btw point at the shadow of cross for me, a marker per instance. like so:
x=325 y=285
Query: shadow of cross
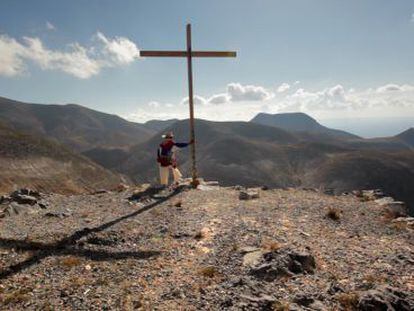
x=68 y=246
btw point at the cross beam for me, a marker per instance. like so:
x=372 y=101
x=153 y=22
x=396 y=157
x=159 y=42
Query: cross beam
x=189 y=54
x=185 y=54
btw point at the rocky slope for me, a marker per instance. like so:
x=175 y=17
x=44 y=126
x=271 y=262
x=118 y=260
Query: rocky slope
x=206 y=249
x=31 y=161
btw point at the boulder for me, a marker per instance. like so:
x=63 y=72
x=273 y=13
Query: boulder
x=26 y=191
x=263 y=302
x=384 y=201
x=397 y=209
x=283 y=262
x=249 y=194
x=25 y=199
x=385 y=298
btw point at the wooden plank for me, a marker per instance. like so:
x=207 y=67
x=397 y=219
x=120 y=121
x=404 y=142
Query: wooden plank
x=184 y=54
x=163 y=53
x=213 y=54
x=191 y=106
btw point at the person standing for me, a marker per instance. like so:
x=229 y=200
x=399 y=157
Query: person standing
x=167 y=159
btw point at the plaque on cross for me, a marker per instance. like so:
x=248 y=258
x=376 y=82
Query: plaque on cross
x=189 y=54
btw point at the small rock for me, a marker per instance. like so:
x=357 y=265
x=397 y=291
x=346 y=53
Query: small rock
x=406 y=222
x=303 y=299
x=58 y=214
x=248 y=249
x=384 y=201
x=329 y=191
x=42 y=205
x=249 y=194
x=252 y=258
x=100 y=191
x=318 y=306
x=5 y=199
x=121 y=187
x=239 y=188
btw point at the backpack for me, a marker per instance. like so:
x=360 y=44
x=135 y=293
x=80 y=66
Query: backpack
x=166 y=158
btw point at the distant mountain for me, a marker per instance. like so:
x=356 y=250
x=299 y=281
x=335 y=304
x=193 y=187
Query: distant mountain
x=407 y=137
x=31 y=161
x=231 y=142
x=298 y=122
x=75 y=126
x=159 y=125
x=250 y=154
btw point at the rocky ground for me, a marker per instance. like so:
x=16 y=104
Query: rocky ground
x=204 y=249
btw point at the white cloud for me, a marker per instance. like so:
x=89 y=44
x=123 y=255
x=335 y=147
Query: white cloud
x=11 y=63
x=238 y=92
x=198 y=100
x=389 y=88
x=412 y=18
x=384 y=98
x=76 y=60
x=219 y=99
x=121 y=50
x=154 y=104
x=330 y=102
x=50 y=26
x=283 y=87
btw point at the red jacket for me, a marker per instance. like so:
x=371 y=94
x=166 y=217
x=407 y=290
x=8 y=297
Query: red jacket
x=165 y=155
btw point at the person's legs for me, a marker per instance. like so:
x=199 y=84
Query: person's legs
x=164 y=172
x=177 y=174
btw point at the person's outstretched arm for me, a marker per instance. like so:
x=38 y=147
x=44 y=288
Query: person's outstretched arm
x=183 y=145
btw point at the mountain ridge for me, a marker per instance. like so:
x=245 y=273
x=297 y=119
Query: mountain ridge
x=79 y=127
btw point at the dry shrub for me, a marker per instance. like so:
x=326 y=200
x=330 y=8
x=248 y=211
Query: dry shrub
x=349 y=301
x=202 y=234
x=271 y=245
x=209 y=271
x=281 y=306
x=70 y=262
x=372 y=279
x=333 y=213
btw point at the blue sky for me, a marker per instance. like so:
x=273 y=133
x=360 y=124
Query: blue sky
x=330 y=58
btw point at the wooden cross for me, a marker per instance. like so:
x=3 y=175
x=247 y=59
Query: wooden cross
x=189 y=54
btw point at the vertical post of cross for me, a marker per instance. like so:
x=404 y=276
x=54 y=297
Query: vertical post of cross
x=191 y=104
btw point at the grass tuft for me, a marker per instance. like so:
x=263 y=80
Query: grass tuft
x=349 y=301
x=209 y=271
x=333 y=213
x=70 y=262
